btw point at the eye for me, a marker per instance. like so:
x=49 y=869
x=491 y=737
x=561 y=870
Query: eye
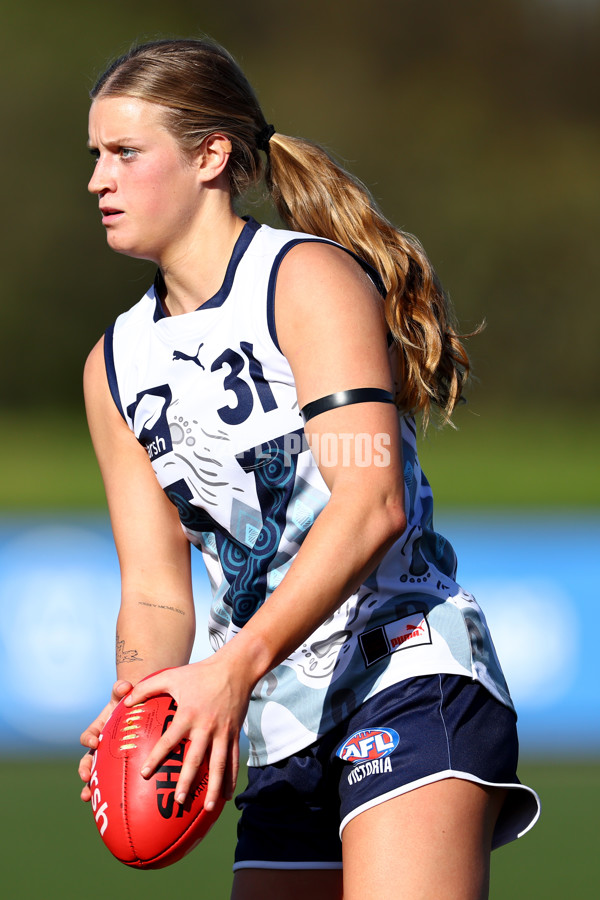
x=127 y=153
x=95 y=154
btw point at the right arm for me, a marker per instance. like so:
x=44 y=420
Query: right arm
x=156 y=622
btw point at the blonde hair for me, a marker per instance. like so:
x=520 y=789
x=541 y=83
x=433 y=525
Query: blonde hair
x=204 y=91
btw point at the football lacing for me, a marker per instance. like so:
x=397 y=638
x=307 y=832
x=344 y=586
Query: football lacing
x=131 y=727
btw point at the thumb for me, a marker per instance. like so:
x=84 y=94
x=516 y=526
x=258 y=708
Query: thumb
x=121 y=689
x=150 y=686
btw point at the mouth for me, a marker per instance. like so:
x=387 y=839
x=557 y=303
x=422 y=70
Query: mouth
x=109 y=214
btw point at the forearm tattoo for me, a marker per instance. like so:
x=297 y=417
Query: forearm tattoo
x=125 y=656
x=162 y=606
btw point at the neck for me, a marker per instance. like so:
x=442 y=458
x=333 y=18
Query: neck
x=194 y=272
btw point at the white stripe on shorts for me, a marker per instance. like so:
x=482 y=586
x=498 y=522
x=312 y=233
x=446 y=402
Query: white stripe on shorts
x=270 y=864
x=501 y=836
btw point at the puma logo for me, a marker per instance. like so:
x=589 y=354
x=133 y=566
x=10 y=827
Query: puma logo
x=178 y=354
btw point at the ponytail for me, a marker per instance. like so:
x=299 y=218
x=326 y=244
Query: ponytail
x=313 y=194
x=203 y=90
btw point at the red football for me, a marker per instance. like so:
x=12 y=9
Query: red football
x=138 y=819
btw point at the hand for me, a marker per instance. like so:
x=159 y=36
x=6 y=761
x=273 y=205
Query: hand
x=211 y=706
x=90 y=736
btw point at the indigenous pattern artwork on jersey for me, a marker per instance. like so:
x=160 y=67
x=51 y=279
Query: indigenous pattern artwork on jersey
x=212 y=398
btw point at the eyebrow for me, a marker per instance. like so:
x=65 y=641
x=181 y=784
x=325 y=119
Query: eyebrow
x=120 y=142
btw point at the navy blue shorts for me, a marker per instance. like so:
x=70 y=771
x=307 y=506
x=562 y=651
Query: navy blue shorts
x=418 y=731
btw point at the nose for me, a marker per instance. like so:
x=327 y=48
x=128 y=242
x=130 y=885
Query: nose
x=102 y=179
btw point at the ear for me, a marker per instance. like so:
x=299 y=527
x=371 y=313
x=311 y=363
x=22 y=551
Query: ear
x=213 y=156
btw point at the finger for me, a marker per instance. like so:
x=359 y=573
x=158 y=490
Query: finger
x=85 y=773
x=85 y=767
x=219 y=764
x=233 y=768
x=172 y=737
x=194 y=757
x=120 y=689
x=146 y=688
x=89 y=738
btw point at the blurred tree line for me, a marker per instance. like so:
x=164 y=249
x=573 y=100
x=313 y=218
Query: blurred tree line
x=475 y=124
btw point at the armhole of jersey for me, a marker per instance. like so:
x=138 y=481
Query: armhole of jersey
x=371 y=272
x=111 y=374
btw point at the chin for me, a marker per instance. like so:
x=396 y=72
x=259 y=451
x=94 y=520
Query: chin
x=126 y=248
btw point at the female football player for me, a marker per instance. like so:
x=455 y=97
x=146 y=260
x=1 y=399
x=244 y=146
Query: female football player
x=259 y=403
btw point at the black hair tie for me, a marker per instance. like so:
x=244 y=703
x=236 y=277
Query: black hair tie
x=264 y=136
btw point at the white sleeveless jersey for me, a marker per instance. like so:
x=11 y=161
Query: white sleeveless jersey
x=212 y=398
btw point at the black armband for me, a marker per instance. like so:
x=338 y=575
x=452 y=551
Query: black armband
x=345 y=398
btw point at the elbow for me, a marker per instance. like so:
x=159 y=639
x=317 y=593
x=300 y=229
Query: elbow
x=395 y=519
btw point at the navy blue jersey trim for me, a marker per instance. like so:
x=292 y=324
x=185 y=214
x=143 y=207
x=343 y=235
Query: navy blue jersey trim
x=371 y=272
x=242 y=244
x=159 y=312
x=218 y=299
x=109 y=362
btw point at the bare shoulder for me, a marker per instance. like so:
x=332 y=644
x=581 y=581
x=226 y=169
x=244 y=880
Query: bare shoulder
x=139 y=508
x=100 y=407
x=105 y=422
x=94 y=371
x=323 y=267
x=319 y=252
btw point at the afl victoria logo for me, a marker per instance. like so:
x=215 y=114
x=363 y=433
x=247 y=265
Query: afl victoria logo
x=373 y=743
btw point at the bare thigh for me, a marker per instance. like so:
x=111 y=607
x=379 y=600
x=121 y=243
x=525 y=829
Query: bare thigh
x=274 y=884
x=433 y=842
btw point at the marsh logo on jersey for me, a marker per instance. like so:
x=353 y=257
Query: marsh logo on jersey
x=368 y=745
x=149 y=417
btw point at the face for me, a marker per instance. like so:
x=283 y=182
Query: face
x=148 y=191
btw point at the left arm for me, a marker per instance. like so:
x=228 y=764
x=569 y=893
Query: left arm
x=332 y=330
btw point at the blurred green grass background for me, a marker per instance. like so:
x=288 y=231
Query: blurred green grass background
x=495 y=458
x=51 y=847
